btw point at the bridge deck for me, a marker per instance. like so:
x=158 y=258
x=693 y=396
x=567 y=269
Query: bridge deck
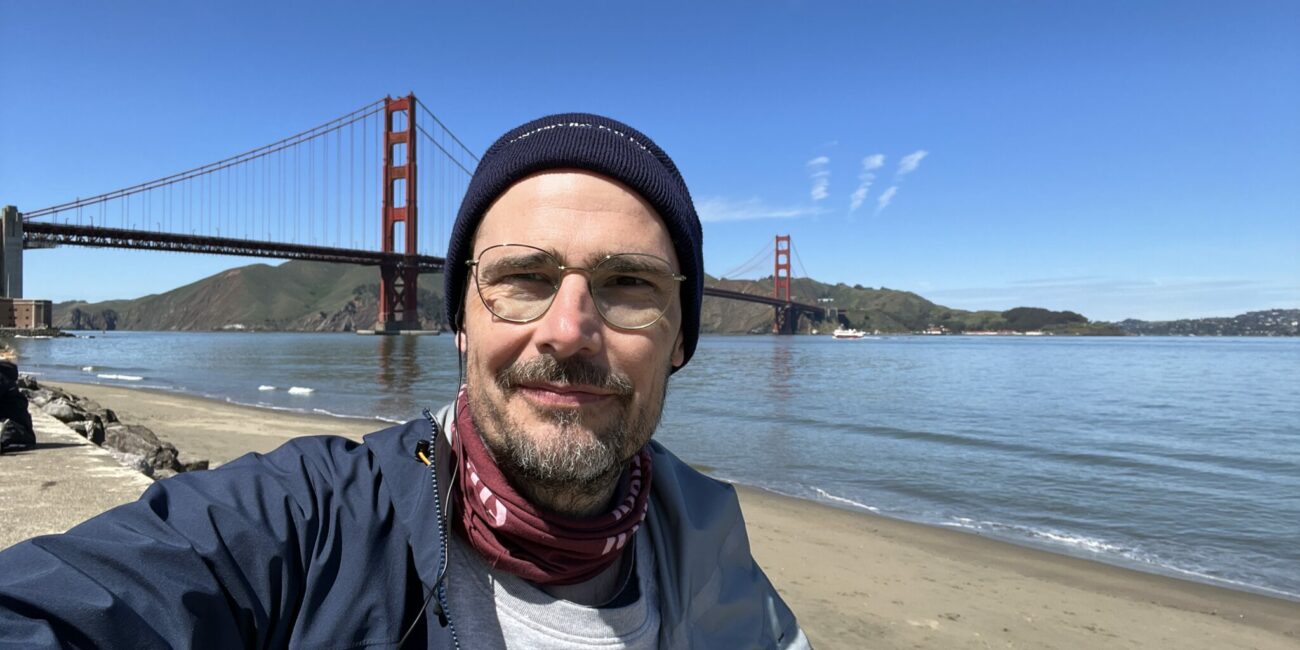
x=37 y=234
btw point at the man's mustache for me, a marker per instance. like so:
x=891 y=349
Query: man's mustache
x=573 y=371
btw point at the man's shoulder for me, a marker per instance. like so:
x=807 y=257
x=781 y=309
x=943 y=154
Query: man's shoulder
x=666 y=462
x=383 y=443
x=678 y=486
x=324 y=462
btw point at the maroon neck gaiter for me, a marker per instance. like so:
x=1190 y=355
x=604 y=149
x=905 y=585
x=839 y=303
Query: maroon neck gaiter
x=515 y=536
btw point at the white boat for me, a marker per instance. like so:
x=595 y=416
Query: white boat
x=841 y=333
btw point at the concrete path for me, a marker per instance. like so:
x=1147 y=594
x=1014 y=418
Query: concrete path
x=65 y=480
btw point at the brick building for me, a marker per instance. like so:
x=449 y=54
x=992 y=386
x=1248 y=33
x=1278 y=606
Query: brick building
x=22 y=313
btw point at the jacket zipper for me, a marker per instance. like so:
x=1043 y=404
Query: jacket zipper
x=440 y=586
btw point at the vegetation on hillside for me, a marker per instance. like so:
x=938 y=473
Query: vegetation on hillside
x=294 y=296
x=883 y=310
x=315 y=296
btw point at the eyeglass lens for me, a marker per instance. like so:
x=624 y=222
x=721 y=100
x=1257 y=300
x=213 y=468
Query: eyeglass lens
x=518 y=283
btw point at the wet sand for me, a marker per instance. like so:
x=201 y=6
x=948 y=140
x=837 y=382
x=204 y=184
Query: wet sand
x=857 y=580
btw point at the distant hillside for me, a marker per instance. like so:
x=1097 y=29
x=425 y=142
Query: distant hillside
x=294 y=296
x=319 y=297
x=884 y=310
x=1273 y=322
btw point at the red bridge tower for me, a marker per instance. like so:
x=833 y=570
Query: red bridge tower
x=786 y=320
x=397 y=281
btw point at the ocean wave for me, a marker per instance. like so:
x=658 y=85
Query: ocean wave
x=302 y=411
x=301 y=390
x=1236 y=584
x=88 y=368
x=265 y=387
x=121 y=377
x=1042 y=535
x=831 y=497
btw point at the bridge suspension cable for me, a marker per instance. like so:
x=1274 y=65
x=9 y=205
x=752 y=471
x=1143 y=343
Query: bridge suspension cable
x=291 y=141
x=319 y=190
x=803 y=272
x=756 y=261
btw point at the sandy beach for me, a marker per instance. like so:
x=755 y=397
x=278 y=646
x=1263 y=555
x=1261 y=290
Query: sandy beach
x=857 y=580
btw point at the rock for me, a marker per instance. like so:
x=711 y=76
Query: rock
x=26 y=381
x=94 y=429
x=63 y=410
x=136 y=439
x=134 y=461
x=107 y=415
x=86 y=404
x=195 y=465
x=39 y=397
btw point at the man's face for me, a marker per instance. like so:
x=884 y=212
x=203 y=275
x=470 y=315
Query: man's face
x=567 y=399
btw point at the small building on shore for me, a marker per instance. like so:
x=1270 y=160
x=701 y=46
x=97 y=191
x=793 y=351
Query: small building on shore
x=26 y=314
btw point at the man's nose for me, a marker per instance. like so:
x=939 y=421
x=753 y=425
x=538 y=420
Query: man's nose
x=572 y=325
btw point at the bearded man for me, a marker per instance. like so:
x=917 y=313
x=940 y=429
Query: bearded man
x=532 y=512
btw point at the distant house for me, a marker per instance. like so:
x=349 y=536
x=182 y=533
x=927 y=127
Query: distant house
x=22 y=313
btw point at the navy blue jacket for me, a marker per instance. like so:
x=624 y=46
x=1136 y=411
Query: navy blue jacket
x=329 y=543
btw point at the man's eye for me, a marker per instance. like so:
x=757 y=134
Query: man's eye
x=628 y=282
x=524 y=277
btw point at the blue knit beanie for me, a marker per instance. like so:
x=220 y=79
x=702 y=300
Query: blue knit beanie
x=600 y=145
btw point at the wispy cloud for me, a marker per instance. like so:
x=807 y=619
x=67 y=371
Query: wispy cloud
x=884 y=200
x=910 y=162
x=868 y=176
x=821 y=177
x=721 y=209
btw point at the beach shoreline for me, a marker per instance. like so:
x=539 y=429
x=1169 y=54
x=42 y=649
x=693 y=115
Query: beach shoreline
x=855 y=579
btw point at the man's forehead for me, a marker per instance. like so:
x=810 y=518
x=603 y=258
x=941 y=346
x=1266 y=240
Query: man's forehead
x=558 y=210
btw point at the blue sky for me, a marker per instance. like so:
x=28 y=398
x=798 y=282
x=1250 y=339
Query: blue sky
x=1120 y=159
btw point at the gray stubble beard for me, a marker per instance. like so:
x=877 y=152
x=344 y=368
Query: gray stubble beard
x=574 y=472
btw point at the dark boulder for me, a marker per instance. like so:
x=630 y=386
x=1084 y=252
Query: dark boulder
x=136 y=439
x=64 y=410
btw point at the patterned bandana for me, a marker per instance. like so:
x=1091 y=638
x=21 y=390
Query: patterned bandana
x=514 y=536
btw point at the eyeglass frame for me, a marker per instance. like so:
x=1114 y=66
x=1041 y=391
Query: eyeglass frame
x=564 y=269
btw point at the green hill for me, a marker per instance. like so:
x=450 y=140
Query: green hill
x=320 y=297
x=295 y=296
x=884 y=310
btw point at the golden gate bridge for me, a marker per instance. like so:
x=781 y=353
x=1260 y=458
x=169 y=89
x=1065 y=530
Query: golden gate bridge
x=311 y=196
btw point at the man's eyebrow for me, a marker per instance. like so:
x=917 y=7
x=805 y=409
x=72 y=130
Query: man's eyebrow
x=523 y=260
x=628 y=262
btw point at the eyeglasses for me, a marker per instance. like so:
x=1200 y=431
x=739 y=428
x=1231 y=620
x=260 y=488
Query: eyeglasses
x=518 y=283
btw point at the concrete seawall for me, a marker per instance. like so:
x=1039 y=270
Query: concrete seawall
x=62 y=482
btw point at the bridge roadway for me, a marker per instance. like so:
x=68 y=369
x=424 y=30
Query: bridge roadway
x=39 y=234
x=803 y=307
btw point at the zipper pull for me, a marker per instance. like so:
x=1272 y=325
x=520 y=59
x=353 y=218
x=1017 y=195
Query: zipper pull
x=442 y=615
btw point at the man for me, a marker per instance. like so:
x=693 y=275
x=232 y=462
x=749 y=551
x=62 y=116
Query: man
x=533 y=512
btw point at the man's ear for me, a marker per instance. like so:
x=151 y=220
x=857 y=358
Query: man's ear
x=460 y=341
x=679 y=351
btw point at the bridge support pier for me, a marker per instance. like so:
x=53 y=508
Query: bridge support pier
x=11 y=253
x=785 y=321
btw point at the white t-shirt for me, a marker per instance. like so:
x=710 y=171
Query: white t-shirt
x=493 y=609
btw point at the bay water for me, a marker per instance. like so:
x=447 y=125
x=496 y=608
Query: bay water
x=1178 y=456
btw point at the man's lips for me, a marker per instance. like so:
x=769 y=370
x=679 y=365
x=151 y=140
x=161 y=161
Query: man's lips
x=563 y=395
